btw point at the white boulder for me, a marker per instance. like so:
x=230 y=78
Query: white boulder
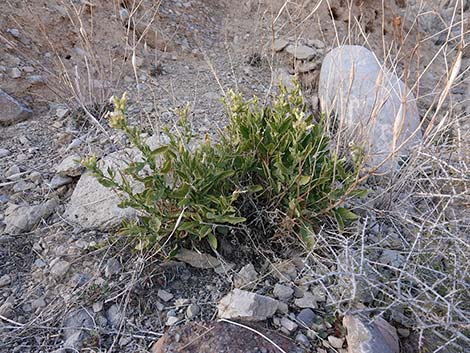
x=373 y=108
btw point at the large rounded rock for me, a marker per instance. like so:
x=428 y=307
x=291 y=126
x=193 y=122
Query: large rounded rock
x=374 y=109
x=93 y=206
x=11 y=110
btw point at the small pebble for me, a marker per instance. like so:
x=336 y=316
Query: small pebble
x=192 y=311
x=4 y=152
x=336 y=342
x=288 y=324
x=5 y=280
x=164 y=295
x=172 y=320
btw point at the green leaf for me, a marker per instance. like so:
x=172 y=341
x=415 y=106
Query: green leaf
x=212 y=239
x=346 y=214
x=160 y=150
x=166 y=166
x=107 y=183
x=233 y=219
x=304 y=179
x=255 y=188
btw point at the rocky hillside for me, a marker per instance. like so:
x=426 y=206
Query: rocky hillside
x=390 y=80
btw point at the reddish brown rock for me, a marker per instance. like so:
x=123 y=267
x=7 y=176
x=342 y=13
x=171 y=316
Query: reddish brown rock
x=222 y=337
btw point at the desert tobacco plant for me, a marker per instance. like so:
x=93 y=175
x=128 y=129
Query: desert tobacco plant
x=278 y=155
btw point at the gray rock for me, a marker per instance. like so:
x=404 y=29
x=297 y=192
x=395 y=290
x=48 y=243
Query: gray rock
x=59 y=267
x=301 y=52
x=368 y=102
x=403 y=332
x=289 y=325
x=5 y=280
x=37 y=80
x=306 y=317
x=308 y=66
x=283 y=292
x=22 y=185
x=113 y=266
x=318 y=293
x=13 y=172
x=245 y=277
x=11 y=110
x=70 y=167
x=240 y=304
x=283 y=77
x=14 y=32
x=35 y=176
x=393 y=258
x=192 y=311
x=307 y=301
x=19 y=219
x=316 y=43
x=38 y=303
x=76 y=327
x=74 y=144
x=4 y=152
x=93 y=206
x=114 y=315
x=7 y=308
x=336 y=342
x=39 y=263
x=97 y=306
x=282 y=308
x=61 y=112
x=57 y=181
x=279 y=44
x=364 y=337
x=196 y=259
x=302 y=339
x=171 y=320
x=285 y=271
x=15 y=73
x=164 y=295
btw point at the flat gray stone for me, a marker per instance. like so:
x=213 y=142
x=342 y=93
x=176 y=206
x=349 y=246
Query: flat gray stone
x=246 y=277
x=164 y=295
x=4 y=152
x=19 y=219
x=244 y=305
x=93 y=206
x=57 y=181
x=5 y=280
x=279 y=44
x=306 y=317
x=283 y=292
x=307 y=301
x=192 y=311
x=11 y=110
x=301 y=52
x=70 y=166
x=76 y=328
x=377 y=112
x=59 y=268
x=196 y=259
x=289 y=325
